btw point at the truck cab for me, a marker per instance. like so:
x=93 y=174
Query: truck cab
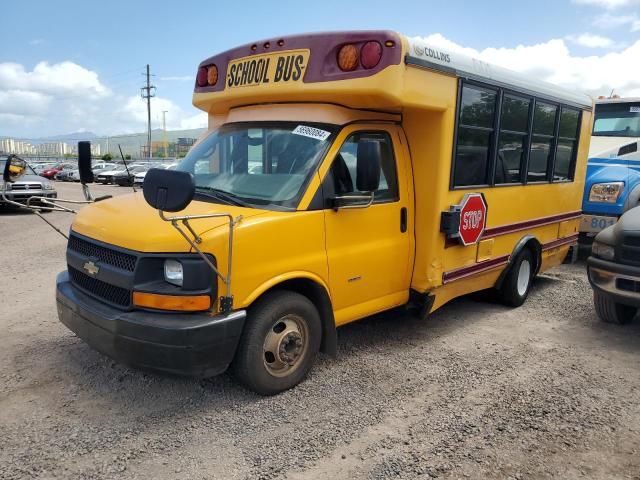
x=613 y=171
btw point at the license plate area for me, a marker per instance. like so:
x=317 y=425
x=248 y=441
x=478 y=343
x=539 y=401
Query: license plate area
x=596 y=223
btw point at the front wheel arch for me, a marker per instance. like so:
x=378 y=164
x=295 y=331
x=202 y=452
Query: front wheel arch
x=319 y=296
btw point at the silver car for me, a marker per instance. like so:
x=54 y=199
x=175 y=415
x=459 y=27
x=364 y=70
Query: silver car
x=30 y=185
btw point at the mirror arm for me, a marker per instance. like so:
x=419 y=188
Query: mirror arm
x=226 y=302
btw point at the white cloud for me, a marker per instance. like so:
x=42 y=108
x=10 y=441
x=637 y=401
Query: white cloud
x=552 y=61
x=592 y=41
x=608 y=21
x=66 y=97
x=608 y=4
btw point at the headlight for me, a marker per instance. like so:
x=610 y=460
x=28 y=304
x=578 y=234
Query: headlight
x=606 y=192
x=601 y=250
x=173 y=272
x=7 y=186
x=48 y=186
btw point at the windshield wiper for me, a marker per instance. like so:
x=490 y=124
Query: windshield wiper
x=227 y=197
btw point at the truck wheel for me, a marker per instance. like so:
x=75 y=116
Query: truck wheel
x=612 y=312
x=516 y=285
x=279 y=343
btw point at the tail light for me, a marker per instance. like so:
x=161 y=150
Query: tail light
x=348 y=58
x=370 y=54
x=207 y=76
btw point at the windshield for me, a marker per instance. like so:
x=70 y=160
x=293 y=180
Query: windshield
x=617 y=119
x=259 y=164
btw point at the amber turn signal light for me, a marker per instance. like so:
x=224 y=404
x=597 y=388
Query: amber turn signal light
x=348 y=58
x=184 y=303
x=212 y=75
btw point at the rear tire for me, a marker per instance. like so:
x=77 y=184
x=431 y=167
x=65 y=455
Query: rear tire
x=612 y=312
x=279 y=343
x=517 y=283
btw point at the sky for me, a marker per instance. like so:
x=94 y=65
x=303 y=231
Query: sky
x=69 y=66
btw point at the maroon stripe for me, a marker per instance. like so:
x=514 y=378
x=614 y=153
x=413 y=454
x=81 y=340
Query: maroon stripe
x=538 y=222
x=459 y=273
x=560 y=242
x=481 y=267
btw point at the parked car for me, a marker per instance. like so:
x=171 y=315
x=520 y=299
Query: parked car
x=66 y=175
x=138 y=178
x=614 y=269
x=52 y=172
x=106 y=177
x=125 y=179
x=40 y=167
x=30 y=185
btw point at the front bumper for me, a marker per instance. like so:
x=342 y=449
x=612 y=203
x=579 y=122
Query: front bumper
x=21 y=196
x=618 y=281
x=197 y=344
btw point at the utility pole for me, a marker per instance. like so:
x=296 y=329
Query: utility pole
x=164 y=132
x=147 y=92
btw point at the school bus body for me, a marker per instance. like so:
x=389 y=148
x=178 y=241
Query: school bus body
x=356 y=262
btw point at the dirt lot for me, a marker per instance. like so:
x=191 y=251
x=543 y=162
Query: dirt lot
x=475 y=391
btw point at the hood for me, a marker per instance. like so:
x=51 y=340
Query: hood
x=129 y=222
x=608 y=147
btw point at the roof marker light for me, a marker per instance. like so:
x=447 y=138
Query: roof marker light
x=267 y=45
x=280 y=42
x=348 y=58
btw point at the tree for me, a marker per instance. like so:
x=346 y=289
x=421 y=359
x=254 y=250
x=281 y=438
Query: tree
x=127 y=157
x=107 y=157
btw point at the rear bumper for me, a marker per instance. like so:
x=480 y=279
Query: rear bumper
x=619 y=282
x=197 y=344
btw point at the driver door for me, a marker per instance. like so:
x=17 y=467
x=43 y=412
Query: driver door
x=368 y=248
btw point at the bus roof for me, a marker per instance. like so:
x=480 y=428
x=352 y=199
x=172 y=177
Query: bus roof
x=427 y=55
x=618 y=100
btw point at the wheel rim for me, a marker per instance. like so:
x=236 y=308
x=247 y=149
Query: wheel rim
x=285 y=345
x=524 y=276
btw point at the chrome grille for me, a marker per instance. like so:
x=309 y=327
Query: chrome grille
x=26 y=186
x=110 y=293
x=106 y=255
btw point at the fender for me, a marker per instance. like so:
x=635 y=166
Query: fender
x=314 y=288
x=522 y=243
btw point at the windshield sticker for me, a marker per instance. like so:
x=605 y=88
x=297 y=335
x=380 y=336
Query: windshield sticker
x=311 y=132
x=634 y=109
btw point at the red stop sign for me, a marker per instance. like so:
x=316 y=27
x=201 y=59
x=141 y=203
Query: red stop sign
x=473 y=218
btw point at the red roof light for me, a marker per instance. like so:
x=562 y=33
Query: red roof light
x=370 y=54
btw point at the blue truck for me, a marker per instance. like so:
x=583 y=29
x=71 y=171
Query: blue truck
x=612 y=185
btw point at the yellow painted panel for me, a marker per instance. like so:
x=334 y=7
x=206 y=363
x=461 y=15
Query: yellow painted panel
x=485 y=250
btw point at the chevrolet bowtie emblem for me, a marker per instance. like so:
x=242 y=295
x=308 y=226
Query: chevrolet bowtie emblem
x=91 y=268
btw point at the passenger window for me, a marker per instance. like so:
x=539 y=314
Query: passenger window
x=542 y=151
x=512 y=142
x=342 y=175
x=567 y=144
x=475 y=132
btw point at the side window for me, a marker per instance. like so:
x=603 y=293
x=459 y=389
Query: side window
x=475 y=132
x=567 y=144
x=343 y=170
x=512 y=141
x=542 y=141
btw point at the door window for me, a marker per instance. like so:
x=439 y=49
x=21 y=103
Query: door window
x=341 y=179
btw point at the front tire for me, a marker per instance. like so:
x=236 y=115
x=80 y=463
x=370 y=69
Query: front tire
x=279 y=344
x=516 y=285
x=612 y=312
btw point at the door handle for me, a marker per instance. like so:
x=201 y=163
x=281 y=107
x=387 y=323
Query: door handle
x=403 y=219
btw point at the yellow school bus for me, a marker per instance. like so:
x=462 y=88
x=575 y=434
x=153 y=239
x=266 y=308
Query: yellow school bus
x=342 y=175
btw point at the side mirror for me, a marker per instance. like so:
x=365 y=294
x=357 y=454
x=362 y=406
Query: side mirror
x=368 y=160
x=84 y=162
x=168 y=190
x=14 y=168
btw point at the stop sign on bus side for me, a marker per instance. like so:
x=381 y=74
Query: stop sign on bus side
x=473 y=218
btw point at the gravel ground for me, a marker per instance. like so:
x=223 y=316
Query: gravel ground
x=475 y=391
